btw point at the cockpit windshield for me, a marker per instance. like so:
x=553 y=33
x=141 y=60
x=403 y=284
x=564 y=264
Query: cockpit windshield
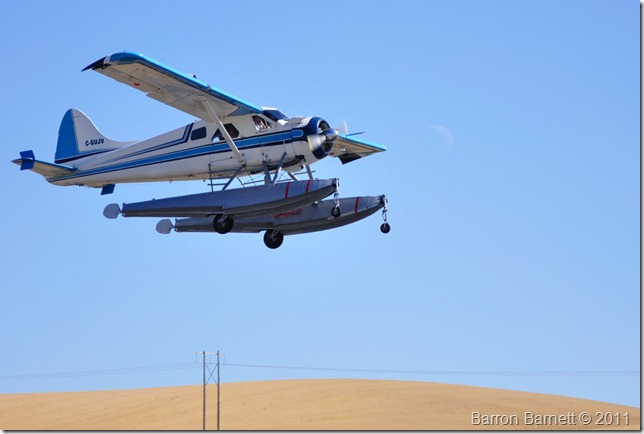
x=275 y=115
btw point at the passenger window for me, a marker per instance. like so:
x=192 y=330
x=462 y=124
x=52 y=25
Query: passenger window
x=198 y=134
x=234 y=133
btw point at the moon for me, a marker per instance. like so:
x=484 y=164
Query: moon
x=443 y=134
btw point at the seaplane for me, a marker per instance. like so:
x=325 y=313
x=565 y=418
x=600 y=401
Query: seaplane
x=231 y=139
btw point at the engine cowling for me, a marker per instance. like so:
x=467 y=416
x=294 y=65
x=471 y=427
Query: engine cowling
x=320 y=136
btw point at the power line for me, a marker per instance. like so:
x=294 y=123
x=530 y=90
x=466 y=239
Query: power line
x=195 y=365
x=98 y=372
x=478 y=373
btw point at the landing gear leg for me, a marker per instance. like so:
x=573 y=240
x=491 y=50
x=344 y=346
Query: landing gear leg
x=222 y=223
x=384 y=228
x=273 y=239
x=336 y=212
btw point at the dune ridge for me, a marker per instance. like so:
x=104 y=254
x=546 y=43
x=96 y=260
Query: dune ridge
x=341 y=404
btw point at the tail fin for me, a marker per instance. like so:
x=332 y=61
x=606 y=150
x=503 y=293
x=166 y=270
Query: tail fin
x=78 y=137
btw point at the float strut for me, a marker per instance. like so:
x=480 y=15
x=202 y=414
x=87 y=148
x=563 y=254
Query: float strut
x=384 y=228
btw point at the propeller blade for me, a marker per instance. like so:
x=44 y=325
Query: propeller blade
x=343 y=128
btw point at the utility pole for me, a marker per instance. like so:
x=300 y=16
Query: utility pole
x=218 y=395
x=205 y=381
x=204 y=390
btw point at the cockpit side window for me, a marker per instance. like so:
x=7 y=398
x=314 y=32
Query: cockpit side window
x=234 y=133
x=261 y=124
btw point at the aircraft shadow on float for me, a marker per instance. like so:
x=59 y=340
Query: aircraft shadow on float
x=234 y=140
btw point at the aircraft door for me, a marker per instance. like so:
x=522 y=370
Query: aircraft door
x=219 y=142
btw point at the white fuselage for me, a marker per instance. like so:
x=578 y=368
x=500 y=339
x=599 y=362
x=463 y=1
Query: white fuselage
x=199 y=151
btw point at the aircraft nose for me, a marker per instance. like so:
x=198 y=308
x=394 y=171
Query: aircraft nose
x=330 y=135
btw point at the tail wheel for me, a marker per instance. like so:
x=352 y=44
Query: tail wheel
x=273 y=239
x=222 y=224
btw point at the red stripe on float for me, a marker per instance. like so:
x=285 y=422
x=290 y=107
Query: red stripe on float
x=287 y=187
x=307 y=186
x=357 y=200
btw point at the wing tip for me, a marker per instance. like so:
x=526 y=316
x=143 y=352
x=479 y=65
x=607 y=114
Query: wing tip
x=123 y=57
x=96 y=65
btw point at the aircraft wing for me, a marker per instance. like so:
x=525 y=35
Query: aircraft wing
x=348 y=148
x=174 y=88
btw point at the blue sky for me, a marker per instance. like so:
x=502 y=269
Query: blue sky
x=512 y=172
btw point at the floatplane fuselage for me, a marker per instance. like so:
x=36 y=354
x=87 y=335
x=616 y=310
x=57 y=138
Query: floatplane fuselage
x=198 y=150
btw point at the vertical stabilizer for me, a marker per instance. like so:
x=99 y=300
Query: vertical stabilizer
x=78 y=137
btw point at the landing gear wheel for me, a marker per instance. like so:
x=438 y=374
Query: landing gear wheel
x=273 y=239
x=222 y=224
x=385 y=228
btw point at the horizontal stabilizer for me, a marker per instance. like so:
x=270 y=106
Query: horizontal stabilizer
x=27 y=161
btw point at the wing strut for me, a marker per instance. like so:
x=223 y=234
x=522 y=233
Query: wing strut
x=215 y=120
x=279 y=168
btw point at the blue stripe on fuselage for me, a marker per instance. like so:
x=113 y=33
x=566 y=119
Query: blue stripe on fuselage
x=207 y=149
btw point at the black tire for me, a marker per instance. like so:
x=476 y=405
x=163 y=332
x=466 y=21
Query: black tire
x=335 y=212
x=385 y=228
x=273 y=239
x=222 y=226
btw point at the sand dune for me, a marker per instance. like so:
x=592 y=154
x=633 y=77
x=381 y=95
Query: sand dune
x=312 y=404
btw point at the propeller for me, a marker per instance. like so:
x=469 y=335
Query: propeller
x=321 y=143
x=326 y=133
